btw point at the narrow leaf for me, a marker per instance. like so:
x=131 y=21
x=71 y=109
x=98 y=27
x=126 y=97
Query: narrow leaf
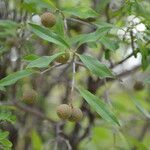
x=8 y=24
x=34 y=5
x=4 y=142
x=96 y=67
x=81 y=12
x=140 y=107
x=43 y=61
x=30 y=57
x=14 y=77
x=99 y=106
x=3 y=135
x=109 y=44
x=48 y=35
x=7 y=116
x=91 y=37
x=105 y=25
x=59 y=27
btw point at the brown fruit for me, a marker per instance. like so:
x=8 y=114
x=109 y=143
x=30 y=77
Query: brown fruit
x=29 y=96
x=64 y=111
x=138 y=86
x=48 y=19
x=63 y=58
x=76 y=115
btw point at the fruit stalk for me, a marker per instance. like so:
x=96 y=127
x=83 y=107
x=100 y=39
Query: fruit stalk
x=73 y=77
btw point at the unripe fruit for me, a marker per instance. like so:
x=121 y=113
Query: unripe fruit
x=76 y=115
x=29 y=96
x=48 y=19
x=63 y=58
x=64 y=111
x=138 y=86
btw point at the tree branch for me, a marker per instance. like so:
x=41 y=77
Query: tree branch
x=28 y=109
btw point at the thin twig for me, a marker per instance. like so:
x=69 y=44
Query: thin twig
x=106 y=93
x=82 y=22
x=120 y=62
x=73 y=77
x=67 y=143
x=48 y=69
x=79 y=63
x=132 y=43
x=28 y=109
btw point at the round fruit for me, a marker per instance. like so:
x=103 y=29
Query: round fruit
x=64 y=111
x=63 y=58
x=76 y=115
x=138 y=86
x=48 y=19
x=29 y=96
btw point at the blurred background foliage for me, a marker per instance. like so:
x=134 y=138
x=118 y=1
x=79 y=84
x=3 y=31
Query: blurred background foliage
x=122 y=43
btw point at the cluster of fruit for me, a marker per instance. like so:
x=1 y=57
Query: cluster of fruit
x=66 y=112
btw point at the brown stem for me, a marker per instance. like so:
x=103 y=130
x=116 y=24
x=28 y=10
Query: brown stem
x=30 y=110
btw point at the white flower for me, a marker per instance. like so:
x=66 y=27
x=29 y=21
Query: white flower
x=140 y=27
x=133 y=20
x=132 y=23
x=123 y=33
x=36 y=19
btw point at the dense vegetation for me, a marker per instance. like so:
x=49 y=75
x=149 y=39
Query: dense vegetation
x=74 y=74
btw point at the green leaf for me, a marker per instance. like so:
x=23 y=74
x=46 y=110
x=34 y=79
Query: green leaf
x=91 y=37
x=59 y=26
x=49 y=3
x=30 y=57
x=43 y=61
x=107 y=54
x=140 y=107
x=143 y=10
x=81 y=12
x=7 y=116
x=48 y=35
x=38 y=5
x=8 y=24
x=8 y=28
x=36 y=140
x=96 y=67
x=4 y=142
x=109 y=44
x=14 y=77
x=3 y=135
x=99 y=106
x=144 y=53
x=105 y=25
